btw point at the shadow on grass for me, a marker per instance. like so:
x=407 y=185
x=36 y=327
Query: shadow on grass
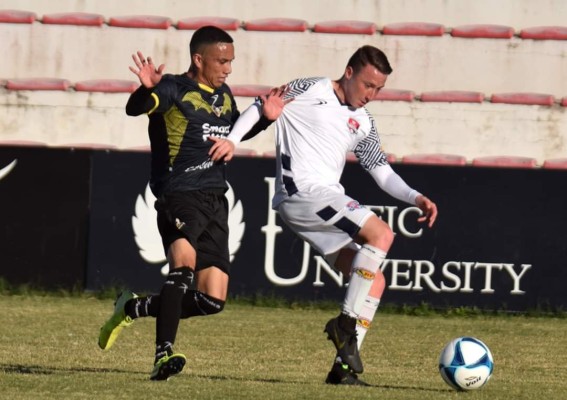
x=47 y=370
x=267 y=380
x=243 y=379
x=415 y=388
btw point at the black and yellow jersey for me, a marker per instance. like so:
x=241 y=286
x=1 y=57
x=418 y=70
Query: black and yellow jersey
x=183 y=114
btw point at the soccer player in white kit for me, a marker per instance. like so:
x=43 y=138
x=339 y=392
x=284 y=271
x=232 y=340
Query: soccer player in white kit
x=320 y=122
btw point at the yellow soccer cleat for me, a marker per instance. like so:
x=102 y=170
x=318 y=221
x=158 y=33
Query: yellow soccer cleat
x=112 y=328
x=168 y=366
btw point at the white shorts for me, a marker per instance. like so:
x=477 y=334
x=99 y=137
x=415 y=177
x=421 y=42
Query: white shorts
x=327 y=220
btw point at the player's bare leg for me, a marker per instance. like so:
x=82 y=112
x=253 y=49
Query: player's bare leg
x=214 y=282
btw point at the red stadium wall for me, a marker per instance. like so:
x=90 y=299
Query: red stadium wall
x=470 y=78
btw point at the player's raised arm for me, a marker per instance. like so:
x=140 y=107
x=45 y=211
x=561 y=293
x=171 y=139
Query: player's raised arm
x=140 y=101
x=274 y=102
x=146 y=71
x=253 y=120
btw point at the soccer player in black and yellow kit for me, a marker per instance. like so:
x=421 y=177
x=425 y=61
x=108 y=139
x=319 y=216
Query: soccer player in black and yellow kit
x=185 y=111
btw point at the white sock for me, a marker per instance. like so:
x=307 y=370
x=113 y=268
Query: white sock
x=364 y=267
x=365 y=318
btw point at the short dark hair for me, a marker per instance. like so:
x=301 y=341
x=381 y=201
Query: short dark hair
x=369 y=55
x=206 y=36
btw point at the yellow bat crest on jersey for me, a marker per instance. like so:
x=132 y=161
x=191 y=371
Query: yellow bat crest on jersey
x=198 y=102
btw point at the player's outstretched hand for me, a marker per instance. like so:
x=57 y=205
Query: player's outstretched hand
x=428 y=208
x=274 y=102
x=222 y=149
x=146 y=71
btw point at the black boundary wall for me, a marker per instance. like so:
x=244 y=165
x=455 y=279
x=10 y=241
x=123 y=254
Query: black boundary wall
x=85 y=217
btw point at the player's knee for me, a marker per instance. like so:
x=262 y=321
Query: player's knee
x=377 y=233
x=383 y=239
x=209 y=305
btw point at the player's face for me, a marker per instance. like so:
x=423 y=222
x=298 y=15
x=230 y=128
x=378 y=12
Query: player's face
x=215 y=64
x=363 y=86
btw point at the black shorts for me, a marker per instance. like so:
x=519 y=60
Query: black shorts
x=201 y=217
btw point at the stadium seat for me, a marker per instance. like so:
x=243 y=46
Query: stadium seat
x=414 y=29
x=391 y=158
x=73 y=18
x=194 y=23
x=346 y=27
x=352 y=157
x=555 y=163
x=141 y=149
x=483 y=31
x=249 y=90
x=545 y=33
x=564 y=101
x=16 y=143
x=505 y=161
x=537 y=99
x=452 y=97
x=97 y=146
x=434 y=159
x=17 y=17
x=395 y=95
x=276 y=24
x=106 y=86
x=140 y=21
x=38 y=84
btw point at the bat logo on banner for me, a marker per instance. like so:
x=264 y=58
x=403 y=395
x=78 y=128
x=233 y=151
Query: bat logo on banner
x=147 y=236
x=7 y=169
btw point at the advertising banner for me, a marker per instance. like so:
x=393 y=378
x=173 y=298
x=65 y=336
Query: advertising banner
x=44 y=212
x=499 y=242
x=86 y=218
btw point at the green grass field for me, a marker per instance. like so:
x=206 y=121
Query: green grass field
x=48 y=350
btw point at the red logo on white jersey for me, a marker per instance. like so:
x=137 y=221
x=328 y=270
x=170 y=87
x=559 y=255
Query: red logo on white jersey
x=353 y=205
x=353 y=125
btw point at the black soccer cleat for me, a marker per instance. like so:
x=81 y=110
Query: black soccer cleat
x=345 y=343
x=168 y=366
x=341 y=374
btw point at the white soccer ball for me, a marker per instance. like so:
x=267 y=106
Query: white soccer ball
x=466 y=363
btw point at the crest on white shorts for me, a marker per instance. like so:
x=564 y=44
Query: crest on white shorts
x=353 y=205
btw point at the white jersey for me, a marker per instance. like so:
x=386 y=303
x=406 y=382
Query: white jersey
x=314 y=133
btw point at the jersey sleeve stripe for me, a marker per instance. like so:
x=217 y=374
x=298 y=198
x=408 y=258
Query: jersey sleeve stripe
x=156 y=100
x=369 y=150
x=300 y=86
